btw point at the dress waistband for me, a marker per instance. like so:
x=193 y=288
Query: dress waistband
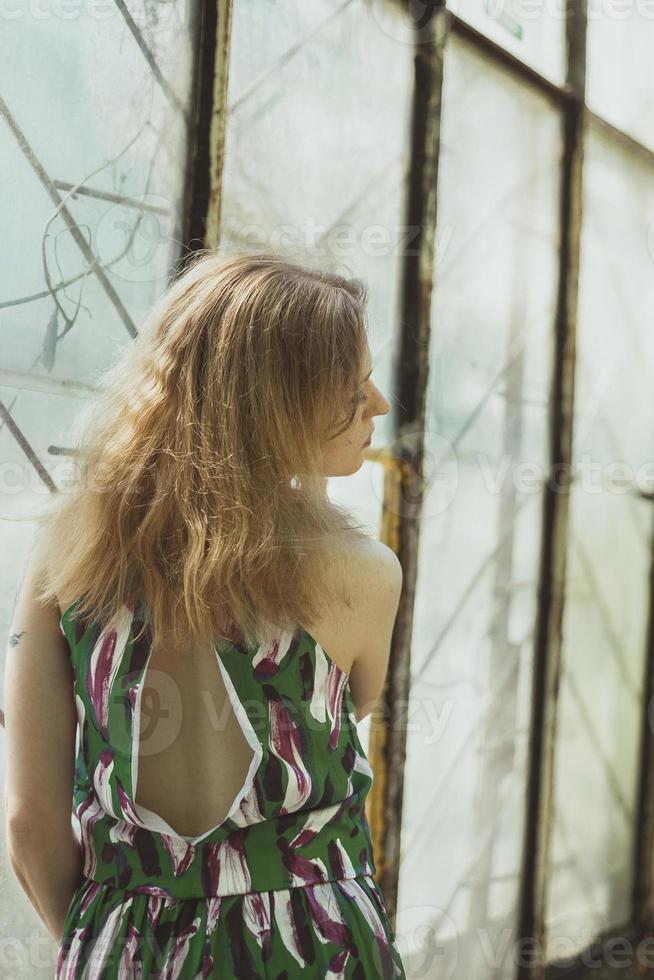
x=261 y=857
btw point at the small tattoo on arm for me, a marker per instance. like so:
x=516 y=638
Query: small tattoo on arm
x=14 y=638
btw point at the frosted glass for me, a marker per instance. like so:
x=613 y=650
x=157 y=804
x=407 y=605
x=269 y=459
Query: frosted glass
x=109 y=125
x=316 y=155
x=480 y=535
x=620 y=45
x=596 y=763
x=316 y=149
x=609 y=554
x=533 y=32
x=86 y=101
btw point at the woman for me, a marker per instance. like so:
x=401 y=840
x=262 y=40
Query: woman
x=166 y=593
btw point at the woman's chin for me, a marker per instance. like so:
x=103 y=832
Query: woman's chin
x=349 y=470
x=355 y=466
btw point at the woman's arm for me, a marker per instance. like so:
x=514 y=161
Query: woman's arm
x=49 y=869
x=40 y=722
x=378 y=578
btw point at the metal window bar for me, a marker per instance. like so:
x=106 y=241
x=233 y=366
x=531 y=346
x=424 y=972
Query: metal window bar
x=536 y=855
x=643 y=857
x=403 y=475
x=201 y=207
x=570 y=99
x=388 y=736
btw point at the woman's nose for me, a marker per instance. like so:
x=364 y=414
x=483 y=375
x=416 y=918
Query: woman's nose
x=382 y=404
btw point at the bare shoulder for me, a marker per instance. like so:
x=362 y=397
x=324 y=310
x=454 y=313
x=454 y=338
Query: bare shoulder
x=372 y=575
x=371 y=572
x=379 y=564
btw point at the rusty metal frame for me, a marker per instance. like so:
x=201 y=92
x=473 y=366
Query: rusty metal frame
x=643 y=885
x=378 y=744
x=200 y=209
x=404 y=478
x=576 y=116
x=556 y=499
x=403 y=483
x=531 y=76
x=557 y=94
x=218 y=122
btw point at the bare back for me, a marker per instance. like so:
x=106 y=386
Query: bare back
x=193 y=756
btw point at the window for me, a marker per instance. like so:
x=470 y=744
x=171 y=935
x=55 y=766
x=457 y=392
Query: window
x=478 y=166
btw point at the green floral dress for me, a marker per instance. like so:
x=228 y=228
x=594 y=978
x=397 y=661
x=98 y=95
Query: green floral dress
x=283 y=886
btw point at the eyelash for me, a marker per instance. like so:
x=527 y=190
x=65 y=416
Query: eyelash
x=362 y=397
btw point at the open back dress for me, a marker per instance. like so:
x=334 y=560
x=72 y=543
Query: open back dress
x=283 y=886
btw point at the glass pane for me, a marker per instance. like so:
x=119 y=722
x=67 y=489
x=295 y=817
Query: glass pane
x=316 y=155
x=101 y=108
x=609 y=554
x=119 y=135
x=494 y=300
x=598 y=724
x=620 y=47
x=533 y=33
x=317 y=136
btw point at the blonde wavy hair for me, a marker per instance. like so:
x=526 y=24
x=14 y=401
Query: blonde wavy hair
x=199 y=488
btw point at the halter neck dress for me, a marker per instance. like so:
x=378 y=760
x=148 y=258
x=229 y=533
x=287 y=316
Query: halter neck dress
x=283 y=886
